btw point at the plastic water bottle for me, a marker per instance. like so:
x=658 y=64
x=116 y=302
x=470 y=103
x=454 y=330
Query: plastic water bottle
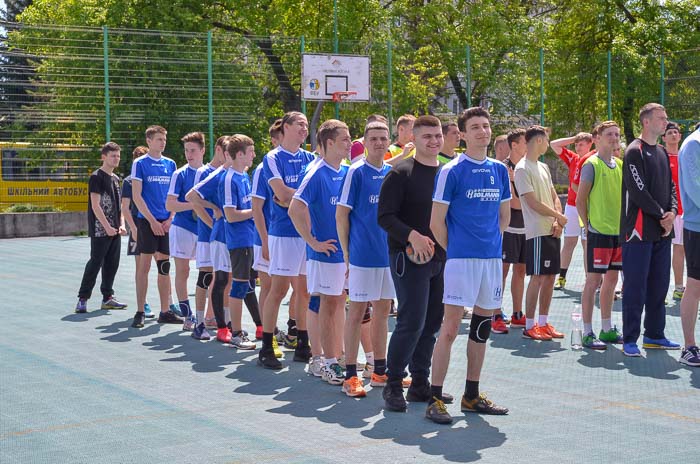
x=576 y=331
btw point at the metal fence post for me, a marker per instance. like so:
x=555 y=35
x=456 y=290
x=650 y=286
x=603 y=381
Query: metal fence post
x=609 y=85
x=105 y=59
x=663 y=78
x=542 y=86
x=335 y=46
x=303 y=102
x=469 y=76
x=390 y=89
x=210 y=94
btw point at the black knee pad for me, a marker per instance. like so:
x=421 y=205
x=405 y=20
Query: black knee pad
x=480 y=328
x=204 y=279
x=163 y=266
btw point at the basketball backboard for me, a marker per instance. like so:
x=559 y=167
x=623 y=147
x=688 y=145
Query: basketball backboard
x=322 y=75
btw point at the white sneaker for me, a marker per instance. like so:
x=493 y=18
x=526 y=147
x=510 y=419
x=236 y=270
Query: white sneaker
x=316 y=366
x=242 y=342
x=333 y=374
x=367 y=371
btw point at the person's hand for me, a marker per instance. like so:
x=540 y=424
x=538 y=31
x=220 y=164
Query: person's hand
x=556 y=230
x=279 y=202
x=157 y=228
x=326 y=247
x=347 y=268
x=667 y=219
x=265 y=251
x=111 y=231
x=407 y=149
x=217 y=213
x=166 y=225
x=122 y=231
x=562 y=220
x=134 y=233
x=423 y=247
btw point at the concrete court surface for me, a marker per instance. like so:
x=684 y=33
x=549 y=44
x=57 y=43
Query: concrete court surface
x=88 y=388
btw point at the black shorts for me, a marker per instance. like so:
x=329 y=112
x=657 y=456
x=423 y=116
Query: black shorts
x=514 y=248
x=691 y=243
x=147 y=242
x=241 y=262
x=603 y=253
x=542 y=255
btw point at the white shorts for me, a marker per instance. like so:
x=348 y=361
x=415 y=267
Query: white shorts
x=204 y=255
x=325 y=278
x=260 y=264
x=573 y=224
x=220 y=257
x=474 y=282
x=287 y=256
x=183 y=243
x=678 y=230
x=370 y=284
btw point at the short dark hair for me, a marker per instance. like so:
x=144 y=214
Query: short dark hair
x=404 y=120
x=672 y=125
x=153 y=130
x=276 y=128
x=376 y=117
x=514 y=135
x=194 y=137
x=426 y=121
x=289 y=118
x=238 y=143
x=221 y=142
x=139 y=151
x=606 y=125
x=375 y=125
x=446 y=126
x=646 y=110
x=534 y=131
x=329 y=130
x=473 y=112
x=583 y=136
x=109 y=147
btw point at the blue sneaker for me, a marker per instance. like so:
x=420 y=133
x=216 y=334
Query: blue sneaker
x=200 y=332
x=147 y=311
x=631 y=349
x=81 y=307
x=176 y=309
x=690 y=356
x=659 y=344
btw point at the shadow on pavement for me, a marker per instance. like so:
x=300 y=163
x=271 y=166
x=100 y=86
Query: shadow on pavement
x=519 y=346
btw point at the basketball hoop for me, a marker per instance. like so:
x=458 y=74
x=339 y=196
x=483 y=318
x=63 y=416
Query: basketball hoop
x=342 y=96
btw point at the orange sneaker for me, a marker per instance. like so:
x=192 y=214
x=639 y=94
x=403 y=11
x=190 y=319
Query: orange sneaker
x=377 y=380
x=498 y=326
x=223 y=335
x=535 y=333
x=551 y=331
x=517 y=321
x=353 y=387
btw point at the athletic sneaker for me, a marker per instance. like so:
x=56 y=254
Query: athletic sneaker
x=437 y=412
x=551 y=331
x=467 y=313
x=690 y=356
x=276 y=348
x=516 y=321
x=189 y=324
x=267 y=359
x=210 y=323
x=289 y=342
x=659 y=344
x=678 y=293
x=421 y=393
x=591 y=342
x=302 y=353
x=377 y=380
x=560 y=284
x=241 y=341
x=535 y=333
x=341 y=361
x=498 y=326
x=353 y=387
x=139 y=320
x=169 y=317
x=482 y=405
x=200 y=333
x=393 y=397
x=279 y=335
x=223 y=335
x=631 y=350
x=258 y=332
x=147 y=311
x=333 y=374
x=618 y=295
x=316 y=366
x=611 y=336
x=81 y=307
x=112 y=303
x=368 y=371
x=176 y=309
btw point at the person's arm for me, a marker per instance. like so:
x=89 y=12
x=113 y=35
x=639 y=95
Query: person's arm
x=558 y=145
x=402 y=155
x=156 y=226
x=299 y=214
x=282 y=194
x=100 y=214
x=584 y=191
x=237 y=215
x=527 y=196
x=438 y=226
x=172 y=203
x=259 y=219
x=634 y=177
x=342 y=224
x=126 y=203
x=688 y=167
x=504 y=215
x=197 y=202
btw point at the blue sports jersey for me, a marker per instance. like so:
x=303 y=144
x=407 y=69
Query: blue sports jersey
x=234 y=188
x=181 y=183
x=262 y=190
x=474 y=191
x=203 y=230
x=360 y=193
x=154 y=175
x=319 y=191
x=288 y=167
x=208 y=189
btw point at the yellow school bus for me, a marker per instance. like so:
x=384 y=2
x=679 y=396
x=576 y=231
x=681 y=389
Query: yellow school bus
x=45 y=175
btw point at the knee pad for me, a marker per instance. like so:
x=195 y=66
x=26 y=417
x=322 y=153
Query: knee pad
x=367 y=317
x=314 y=303
x=204 y=279
x=480 y=328
x=163 y=266
x=239 y=289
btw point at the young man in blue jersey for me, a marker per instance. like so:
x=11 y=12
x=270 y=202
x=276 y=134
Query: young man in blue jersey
x=235 y=189
x=366 y=257
x=206 y=192
x=283 y=168
x=311 y=210
x=150 y=177
x=471 y=209
x=206 y=212
x=183 y=232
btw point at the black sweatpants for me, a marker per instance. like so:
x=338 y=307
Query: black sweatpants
x=104 y=255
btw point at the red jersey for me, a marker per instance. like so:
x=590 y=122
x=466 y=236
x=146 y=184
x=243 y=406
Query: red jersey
x=577 y=174
x=571 y=160
x=673 y=161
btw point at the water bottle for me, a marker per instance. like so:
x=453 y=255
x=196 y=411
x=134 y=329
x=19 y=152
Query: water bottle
x=576 y=331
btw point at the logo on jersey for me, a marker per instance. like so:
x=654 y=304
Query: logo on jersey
x=373 y=199
x=475 y=170
x=334 y=200
x=497 y=293
x=158 y=179
x=291 y=179
x=484 y=194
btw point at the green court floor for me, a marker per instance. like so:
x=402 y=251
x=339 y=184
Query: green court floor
x=88 y=388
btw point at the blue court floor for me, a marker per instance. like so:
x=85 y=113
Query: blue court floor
x=88 y=389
